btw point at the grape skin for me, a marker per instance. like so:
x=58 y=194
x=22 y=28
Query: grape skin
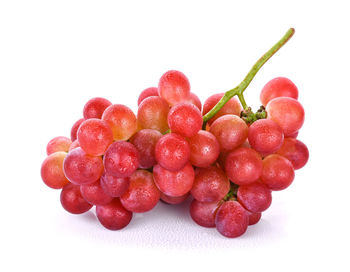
x=255 y=197
x=95 y=107
x=72 y=200
x=94 y=194
x=173 y=200
x=203 y=213
x=278 y=87
x=114 y=186
x=295 y=151
x=57 y=144
x=74 y=130
x=151 y=91
x=52 y=170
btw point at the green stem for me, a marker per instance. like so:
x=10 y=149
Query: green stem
x=249 y=77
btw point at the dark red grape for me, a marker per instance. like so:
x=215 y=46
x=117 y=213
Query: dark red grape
x=203 y=213
x=72 y=200
x=255 y=197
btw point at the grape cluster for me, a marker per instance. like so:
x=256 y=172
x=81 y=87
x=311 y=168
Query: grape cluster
x=124 y=163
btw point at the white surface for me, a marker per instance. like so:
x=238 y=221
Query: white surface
x=55 y=55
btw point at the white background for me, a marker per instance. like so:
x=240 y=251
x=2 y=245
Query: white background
x=55 y=55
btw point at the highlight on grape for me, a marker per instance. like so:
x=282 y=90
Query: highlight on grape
x=224 y=157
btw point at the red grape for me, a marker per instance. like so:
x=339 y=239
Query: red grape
x=52 y=170
x=94 y=136
x=277 y=173
x=243 y=166
x=173 y=200
x=145 y=142
x=121 y=159
x=72 y=200
x=287 y=112
x=210 y=184
x=113 y=216
x=174 y=87
x=294 y=135
x=74 y=130
x=231 y=219
x=151 y=91
x=278 y=87
x=172 y=152
x=142 y=194
x=255 y=197
x=94 y=194
x=81 y=168
x=230 y=130
x=121 y=120
x=185 y=119
x=114 y=186
x=193 y=99
x=174 y=183
x=205 y=149
x=265 y=136
x=295 y=151
x=253 y=218
x=95 y=107
x=59 y=143
x=153 y=114
x=231 y=107
x=74 y=145
x=203 y=213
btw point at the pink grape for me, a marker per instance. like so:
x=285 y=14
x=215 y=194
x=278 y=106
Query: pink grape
x=121 y=159
x=174 y=183
x=145 y=142
x=142 y=194
x=95 y=136
x=185 y=119
x=81 y=168
x=194 y=99
x=113 y=216
x=210 y=184
x=151 y=91
x=231 y=219
x=255 y=197
x=52 y=170
x=230 y=131
x=74 y=130
x=287 y=112
x=59 y=143
x=174 y=87
x=277 y=173
x=205 y=149
x=173 y=200
x=203 y=213
x=243 y=166
x=295 y=151
x=72 y=200
x=114 y=186
x=94 y=194
x=74 y=145
x=95 y=107
x=121 y=120
x=278 y=87
x=172 y=152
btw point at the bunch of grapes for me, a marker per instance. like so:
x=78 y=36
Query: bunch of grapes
x=228 y=162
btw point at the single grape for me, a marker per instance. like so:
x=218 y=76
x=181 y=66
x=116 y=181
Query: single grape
x=81 y=168
x=278 y=87
x=203 y=213
x=74 y=130
x=287 y=112
x=185 y=119
x=153 y=114
x=95 y=136
x=57 y=144
x=121 y=120
x=52 y=170
x=172 y=152
x=231 y=107
x=243 y=166
x=210 y=184
x=74 y=145
x=151 y=91
x=253 y=218
x=294 y=135
x=113 y=216
x=142 y=194
x=174 y=183
x=95 y=107
x=72 y=200
x=174 y=87
x=94 y=194
x=114 y=186
x=205 y=149
x=145 y=142
x=121 y=159
x=277 y=173
x=230 y=131
x=295 y=151
x=265 y=136
x=231 y=219
x=173 y=200
x=255 y=197
x=194 y=99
